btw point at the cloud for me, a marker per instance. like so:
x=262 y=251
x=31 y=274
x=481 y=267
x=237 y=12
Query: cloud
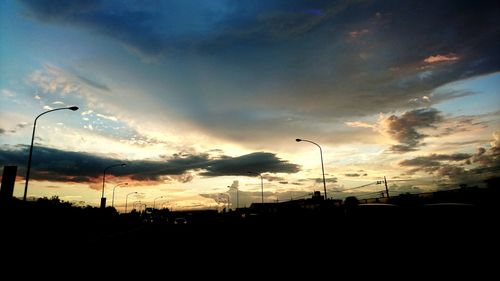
x=404 y=128
x=18 y=127
x=107 y=117
x=298 y=57
x=272 y=178
x=54 y=80
x=401 y=148
x=434 y=159
x=52 y=164
x=217 y=197
x=489 y=157
x=487 y=163
x=355 y=175
x=441 y=58
x=147 y=29
x=257 y=162
x=320 y=180
x=461 y=124
x=87 y=112
x=8 y=93
x=358 y=33
x=495 y=143
x=358 y=124
x=2 y=131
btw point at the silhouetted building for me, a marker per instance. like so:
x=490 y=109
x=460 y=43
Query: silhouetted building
x=8 y=180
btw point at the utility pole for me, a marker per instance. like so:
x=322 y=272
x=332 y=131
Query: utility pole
x=386 y=189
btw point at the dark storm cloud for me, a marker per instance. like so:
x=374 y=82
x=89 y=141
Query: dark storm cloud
x=405 y=127
x=257 y=162
x=58 y=165
x=133 y=27
x=434 y=159
x=443 y=165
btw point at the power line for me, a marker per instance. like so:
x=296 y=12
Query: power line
x=361 y=186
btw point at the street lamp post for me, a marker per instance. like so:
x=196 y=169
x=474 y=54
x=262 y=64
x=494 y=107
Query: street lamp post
x=126 y=200
x=113 y=199
x=73 y=108
x=322 y=168
x=103 y=200
x=261 y=184
x=154 y=201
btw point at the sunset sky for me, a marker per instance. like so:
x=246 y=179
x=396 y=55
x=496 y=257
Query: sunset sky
x=192 y=95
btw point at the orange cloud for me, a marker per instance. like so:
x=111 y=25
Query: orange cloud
x=358 y=33
x=441 y=58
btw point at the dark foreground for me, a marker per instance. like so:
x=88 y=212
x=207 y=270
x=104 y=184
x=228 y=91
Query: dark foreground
x=358 y=231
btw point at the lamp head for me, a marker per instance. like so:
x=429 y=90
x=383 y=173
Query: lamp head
x=74 y=108
x=123 y=164
x=297 y=140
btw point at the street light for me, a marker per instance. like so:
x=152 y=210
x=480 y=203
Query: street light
x=237 y=196
x=73 y=108
x=103 y=200
x=154 y=201
x=261 y=184
x=322 y=168
x=126 y=200
x=113 y=200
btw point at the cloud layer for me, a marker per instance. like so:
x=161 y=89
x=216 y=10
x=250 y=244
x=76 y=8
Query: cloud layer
x=51 y=164
x=459 y=167
x=312 y=62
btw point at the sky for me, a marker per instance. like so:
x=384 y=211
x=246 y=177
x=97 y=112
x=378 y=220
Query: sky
x=193 y=95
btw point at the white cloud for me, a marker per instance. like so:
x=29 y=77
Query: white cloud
x=495 y=144
x=359 y=124
x=58 y=102
x=46 y=107
x=87 y=112
x=7 y=93
x=108 y=117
